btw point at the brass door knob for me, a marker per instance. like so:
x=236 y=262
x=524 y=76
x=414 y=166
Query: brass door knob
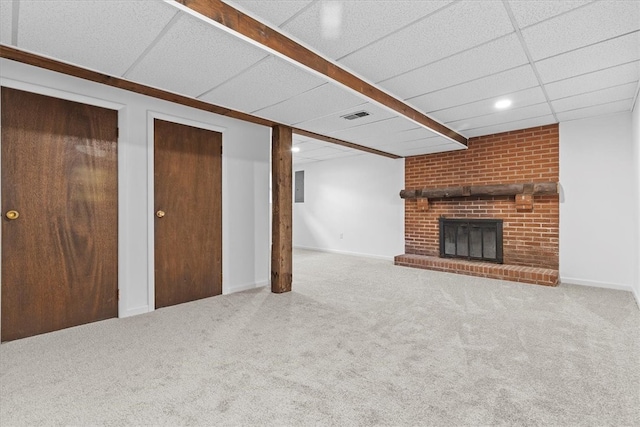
x=12 y=215
x=160 y=214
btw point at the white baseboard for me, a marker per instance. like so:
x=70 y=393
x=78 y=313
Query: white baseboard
x=246 y=287
x=596 y=284
x=134 y=311
x=334 y=251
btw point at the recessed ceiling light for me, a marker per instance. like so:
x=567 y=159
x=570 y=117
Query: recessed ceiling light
x=295 y=149
x=503 y=103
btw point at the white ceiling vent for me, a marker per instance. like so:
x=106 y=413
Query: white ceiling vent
x=357 y=115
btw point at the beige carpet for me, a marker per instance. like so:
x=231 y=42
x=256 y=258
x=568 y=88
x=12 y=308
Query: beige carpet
x=358 y=342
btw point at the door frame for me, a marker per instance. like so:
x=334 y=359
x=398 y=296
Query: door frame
x=122 y=139
x=151 y=243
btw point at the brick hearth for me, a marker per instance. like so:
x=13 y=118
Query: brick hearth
x=514 y=273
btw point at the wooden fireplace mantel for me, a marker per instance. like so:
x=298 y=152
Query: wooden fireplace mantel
x=524 y=192
x=482 y=190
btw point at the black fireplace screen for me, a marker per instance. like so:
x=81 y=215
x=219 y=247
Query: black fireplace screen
x=476 y=239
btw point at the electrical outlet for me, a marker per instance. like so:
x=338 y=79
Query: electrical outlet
x=341 y=235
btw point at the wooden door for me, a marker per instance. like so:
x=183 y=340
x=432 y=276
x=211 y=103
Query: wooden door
x=60 y=250
x=188 y=207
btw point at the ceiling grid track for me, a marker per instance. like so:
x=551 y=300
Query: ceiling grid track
x=525 y=48
x=155 y=41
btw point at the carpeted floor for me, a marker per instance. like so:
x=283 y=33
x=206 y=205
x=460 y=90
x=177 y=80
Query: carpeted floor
x=358 y=342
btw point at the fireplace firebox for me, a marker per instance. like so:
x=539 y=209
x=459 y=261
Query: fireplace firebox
x=472 y=239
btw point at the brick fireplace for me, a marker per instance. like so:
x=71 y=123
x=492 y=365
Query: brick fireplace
x=492 y=165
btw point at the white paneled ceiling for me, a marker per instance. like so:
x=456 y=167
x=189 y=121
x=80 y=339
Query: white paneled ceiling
x=318 y=102
x=601 y=79
x=509 y=126
x=596 y=21
x=616 y=93
x=101 y=35
x=269 y=82
x=531 y=12
x=353 y=22
x=462 y=25
x=485 y=107
x=337 y=121
x=312 y=150
x=452 y=60
x=180 y=61
x=595 y=110
x=501 y=84
x=609 y=53
x=384 y=129
x=493 y=57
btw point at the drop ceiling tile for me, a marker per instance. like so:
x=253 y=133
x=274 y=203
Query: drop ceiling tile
x=501 y=117
x=424 y=143
x=430 y=150
x=522 y=98
x=335 y=122
x=597 y=97
x=506 y=127
x=6 y=17
x=461 y=26
x=493 y=57
x=193 y=57
x=341 y=154
x=268 y=82
x=596 y=80
x=591 y=58
x=338 y=28
x=100 y=35
x=275 y=12
x=299 y=160
x=327 y=150
x=531 y=12
x=593 y=23
x=383 y=139
x=318 y=102
x=309 y=146
x=596 y=110
x=485 y=88
x=359 y=134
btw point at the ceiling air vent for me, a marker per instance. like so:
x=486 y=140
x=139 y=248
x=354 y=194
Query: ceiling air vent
x=357 y=115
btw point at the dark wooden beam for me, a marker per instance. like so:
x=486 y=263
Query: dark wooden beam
x=344 y=143
x=282 y=207
x=75 y=71
x=243 y=24
x=482 y=190
x=82 y=73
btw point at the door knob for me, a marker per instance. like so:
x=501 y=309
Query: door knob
x=159 y=214
x=12 y=215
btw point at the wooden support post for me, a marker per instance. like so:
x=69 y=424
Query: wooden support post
x=282 y=205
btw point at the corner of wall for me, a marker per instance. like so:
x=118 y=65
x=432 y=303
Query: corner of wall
x=635 y=135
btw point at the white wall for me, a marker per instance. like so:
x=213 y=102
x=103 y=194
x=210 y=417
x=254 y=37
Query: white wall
x=635 y=121
x=352 y=205
x=245 y=182
x=598 y=221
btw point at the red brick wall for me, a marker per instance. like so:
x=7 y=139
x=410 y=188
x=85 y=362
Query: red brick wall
x=530 y=238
